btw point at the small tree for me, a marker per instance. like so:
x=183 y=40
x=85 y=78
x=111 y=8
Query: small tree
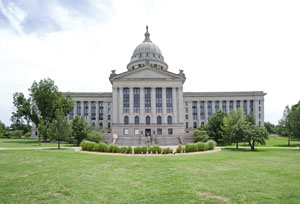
x=79 y=129
x=255 y=135
x=95 y=136
x=60 y=129
x=229 y=123
x=200 y=135
x=270 y=127
x=214 y=126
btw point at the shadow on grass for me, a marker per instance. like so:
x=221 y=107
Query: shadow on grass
x=243 y=150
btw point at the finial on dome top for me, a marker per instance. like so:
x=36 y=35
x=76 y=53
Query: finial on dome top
x=147 y=35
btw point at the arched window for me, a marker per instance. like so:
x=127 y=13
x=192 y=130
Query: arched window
x=136 y=120
x=158 y=120
x=202 y=123
x=169 y=120
x=93 y=124
x=101 y=125
x=147 y=120
x=126 y=120
x=195 y=125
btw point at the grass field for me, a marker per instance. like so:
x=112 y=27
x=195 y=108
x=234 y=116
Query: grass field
x=229 y=176
x=29 y=142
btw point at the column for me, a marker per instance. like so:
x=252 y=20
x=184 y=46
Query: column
x=97 y=113
x=181 y=106
x=255 y=111
x=164 y=106
x=153 y=118
x=120 y=110
x=82 y=108
x=227 y=106
x=248 y=106
x=174 y=101
x=234 y=104
x=114 y=108
x=131 y=105
x=75 y=108
x=90 y=112
x=242 y=105
x=198 y=114
x=191 y=120
x=213 y=106
x=262 y=102
x=205 y=112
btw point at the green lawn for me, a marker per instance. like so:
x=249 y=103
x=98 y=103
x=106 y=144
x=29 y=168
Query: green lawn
x=24 y=143
x=229 y=176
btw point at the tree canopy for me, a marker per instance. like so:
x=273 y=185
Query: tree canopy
x=215 y=126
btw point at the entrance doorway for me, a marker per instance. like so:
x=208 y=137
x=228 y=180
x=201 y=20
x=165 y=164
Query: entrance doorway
x=147 y=132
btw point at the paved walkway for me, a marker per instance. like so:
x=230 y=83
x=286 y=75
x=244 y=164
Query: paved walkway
x=33 y=148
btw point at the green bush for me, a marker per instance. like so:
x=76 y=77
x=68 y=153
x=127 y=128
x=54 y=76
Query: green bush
x=169 y=150
x=201 y=146
x=179 y=149
x=123 y=149
x=191 y=148
x=27 y=134
x=110 y=148
x=87 y=145
x=144 y=150
x=129 y=150
x=137 y=150
x=115 y=149
x=149 y=150
x=16 y=134
x=211 y=144
x=101 y=147
x=183 y=149
x=95 y=136
x=200 y=135
x=159 y=150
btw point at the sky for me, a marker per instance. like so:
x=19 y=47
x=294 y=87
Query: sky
x=230 y=45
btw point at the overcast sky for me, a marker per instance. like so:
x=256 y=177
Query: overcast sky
x=220 y=45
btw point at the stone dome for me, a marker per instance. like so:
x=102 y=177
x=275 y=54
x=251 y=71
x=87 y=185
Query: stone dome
x=147 y=54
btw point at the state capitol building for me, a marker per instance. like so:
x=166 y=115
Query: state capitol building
x=148 y=100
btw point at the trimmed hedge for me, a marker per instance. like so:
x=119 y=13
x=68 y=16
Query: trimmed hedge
x=211 y=144
x=179 y=149
x=137 y=150
x=129 y=150
x=200 y=146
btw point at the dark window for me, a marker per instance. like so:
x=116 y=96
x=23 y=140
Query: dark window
x=224 y=106
x=71 y=114
x=108 y=117
x=251 y=106
x=93 y=110
x=126 y=100
x=169 y=120
x=78 y=108
x=147 y=100
x=136 y=100
x=126 y=120
x=159 y=131
x=259 y=108
x=86 y=109
x=170 y=131
x=158 y=93
x=100 y=110
x=202 y=116
x=209 y=109
x=108 y=125
x=186 y=117
x=186 y=125
x=245 y=107
x=169 y=100
x=93 y=124
x=238 y=104
x=147 y=120
x=158 y=120
x=216 y=106
x=202 y=123
x=259 y=123
x=136 y=120
x=195 y=125
x=101 y=125
x=194 y=110
x=230 y=106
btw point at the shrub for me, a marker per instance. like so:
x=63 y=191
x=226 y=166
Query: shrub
x=110 y=148
x=169 y=150
x=27 y=134
x=200 y=135
x=87 y=145
x=179 y=149
x=95 y=136
x=149 y=150
x=129 y=150
x=201 y=146
x=101 y=147
x=144 y=150
x=211 y=144
x=183 y=149
x=16 y=134
x=115 y=149
x=137 y=150
x=123 y=149
x=190 y=148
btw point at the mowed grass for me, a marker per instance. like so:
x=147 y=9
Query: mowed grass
x=229 y=176
x=27 y=143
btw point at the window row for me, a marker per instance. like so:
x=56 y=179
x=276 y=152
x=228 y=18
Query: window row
x=159 y=131
x=148 y=120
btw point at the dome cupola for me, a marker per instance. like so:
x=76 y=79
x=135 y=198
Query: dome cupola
x=147 y=54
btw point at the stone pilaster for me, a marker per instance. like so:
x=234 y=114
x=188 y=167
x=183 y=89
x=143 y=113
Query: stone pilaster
x=153 y=110
x=164 y=106
x=205 y=112
x=120 y=110
x=115 y=106
x=131 y=106
x=181 y=106
x=174 y=101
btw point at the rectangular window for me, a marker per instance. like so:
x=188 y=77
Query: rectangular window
x=238 y=104
x=147 y=100
x=126 y=100
x=216 y=106
x=245 y=107
x=259 y=109
x=251 y=106
x=224 y=106
x=78 y=104
x=93 y=110
x=158 y=93
x=194 y=110
x=186 y=117
x=209 y=109
x=259 y=116
x=186 y=110
x=108 y=117
x=125 y=131
x=100 y=110
x=186 y=103
x=202 y=116
x=170 y=131
x=230 y=106
x=136 y=131
x=108 y=125
x=86 y=110
x=159 y=131
x=71 y=114
x=169 y=100
x=186 y=125
x=136 y=100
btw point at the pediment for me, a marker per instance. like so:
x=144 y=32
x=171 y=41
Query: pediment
x=147 y=73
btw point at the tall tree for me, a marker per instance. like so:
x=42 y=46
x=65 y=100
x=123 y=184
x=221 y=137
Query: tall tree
x=255 y=135
x=270 y=127
x=215 y=126
x=80 y=129
x=229 y=123
x=293 y=121
x=283 y=127
x=59 y=128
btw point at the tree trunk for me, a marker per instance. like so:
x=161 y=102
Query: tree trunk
x=237 y=145
x=289 y=141
x=253 y=146
x=58 y=144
